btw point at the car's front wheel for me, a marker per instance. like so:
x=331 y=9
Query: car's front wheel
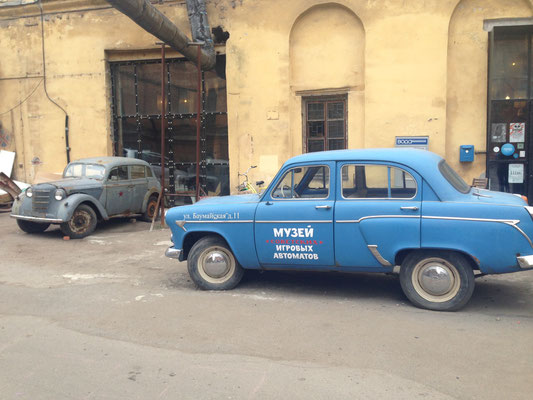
x=31 y=227
x=212 y=265
x=82 y=223
x=437 y=280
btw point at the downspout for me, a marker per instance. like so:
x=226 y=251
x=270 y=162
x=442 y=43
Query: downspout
x=144 y=14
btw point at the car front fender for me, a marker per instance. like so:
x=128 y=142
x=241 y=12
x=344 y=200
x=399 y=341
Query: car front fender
x=69 y=205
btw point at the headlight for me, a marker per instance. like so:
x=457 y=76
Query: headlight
x=60 y=194
x=29 y=192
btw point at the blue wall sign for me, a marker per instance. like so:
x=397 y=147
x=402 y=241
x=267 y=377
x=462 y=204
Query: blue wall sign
x=417 y=142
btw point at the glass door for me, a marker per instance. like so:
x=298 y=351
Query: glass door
x=509 y=141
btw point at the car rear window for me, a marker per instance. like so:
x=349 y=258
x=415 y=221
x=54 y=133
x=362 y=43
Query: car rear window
x=453 y=177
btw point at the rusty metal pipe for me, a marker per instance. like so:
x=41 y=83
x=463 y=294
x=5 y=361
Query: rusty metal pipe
x=163 y=131
x=144 y=14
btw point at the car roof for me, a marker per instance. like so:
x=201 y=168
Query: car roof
x=110 y=162
x=410 y=157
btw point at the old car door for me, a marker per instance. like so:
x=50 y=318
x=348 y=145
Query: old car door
x=294 y=219
x=139 y=183
x=377 y=213
x=118 y=197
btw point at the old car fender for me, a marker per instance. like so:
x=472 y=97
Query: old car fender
x=493 y=241
x=69 y=205
x=149 y=193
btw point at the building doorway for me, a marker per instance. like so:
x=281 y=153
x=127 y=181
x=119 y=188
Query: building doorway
x=510 y=137
x=137 y=113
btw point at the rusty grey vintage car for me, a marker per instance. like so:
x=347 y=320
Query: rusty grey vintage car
x=92 y=189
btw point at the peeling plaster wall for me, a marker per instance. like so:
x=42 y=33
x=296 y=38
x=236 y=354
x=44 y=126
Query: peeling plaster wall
x=404 y=66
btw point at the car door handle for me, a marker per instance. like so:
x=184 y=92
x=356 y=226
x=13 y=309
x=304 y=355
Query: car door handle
x=325 y=206
x=414 y=208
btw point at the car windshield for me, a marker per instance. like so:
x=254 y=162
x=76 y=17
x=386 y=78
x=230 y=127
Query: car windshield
x=453 y=177
x=93 y=171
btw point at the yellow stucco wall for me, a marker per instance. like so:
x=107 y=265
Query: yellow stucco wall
x=407 y=67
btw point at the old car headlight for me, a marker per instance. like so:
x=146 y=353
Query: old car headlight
x=29 y=192
x=60 y=194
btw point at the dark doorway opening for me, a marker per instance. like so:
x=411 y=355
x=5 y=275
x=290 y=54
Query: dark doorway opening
x=509 y=136
x=137 y=113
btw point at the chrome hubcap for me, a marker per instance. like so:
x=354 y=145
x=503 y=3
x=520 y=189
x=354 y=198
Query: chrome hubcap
x=436 y=280
x=216 y=264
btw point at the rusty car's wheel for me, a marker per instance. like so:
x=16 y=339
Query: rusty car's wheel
x=82 y=223
x=212 y=265
x=442 y=281
x=31 y=227
x=151 y=209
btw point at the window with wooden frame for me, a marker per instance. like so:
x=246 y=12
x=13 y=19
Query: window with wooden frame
x=325 y=123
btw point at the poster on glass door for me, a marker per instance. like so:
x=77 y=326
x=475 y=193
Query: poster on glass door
x=516 y=173
x=517 y=132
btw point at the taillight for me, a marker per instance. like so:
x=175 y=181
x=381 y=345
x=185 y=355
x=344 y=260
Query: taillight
x=524 y=198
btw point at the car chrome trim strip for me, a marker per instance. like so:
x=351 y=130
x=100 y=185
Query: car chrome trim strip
x=37 y=219
x=525 y=262
x=355 y=221
x=220 y=222
x=293 y=222
x=522 y=232
x=504 y=221
x=374 y=250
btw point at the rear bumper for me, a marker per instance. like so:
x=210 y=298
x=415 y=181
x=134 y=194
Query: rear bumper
x=171 y=252
x=525 y=262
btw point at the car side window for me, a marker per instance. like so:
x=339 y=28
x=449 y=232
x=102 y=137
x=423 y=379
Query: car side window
x=137 y=171
x=149 y=173
x=376 y=181
x=310 y=182
x=119 y=174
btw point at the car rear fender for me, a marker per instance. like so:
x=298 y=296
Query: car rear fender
x=151 y=192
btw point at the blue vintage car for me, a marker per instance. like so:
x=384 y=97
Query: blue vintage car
x=360 y=210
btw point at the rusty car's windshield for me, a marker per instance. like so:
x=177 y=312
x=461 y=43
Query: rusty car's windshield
x=453 y=177
x=93 y=171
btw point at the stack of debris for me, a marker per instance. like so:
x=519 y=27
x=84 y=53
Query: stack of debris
x=9 y=189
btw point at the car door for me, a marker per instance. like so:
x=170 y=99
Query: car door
x=118 y=198
x=377 y=213
x=294 y=219
x=139 y=183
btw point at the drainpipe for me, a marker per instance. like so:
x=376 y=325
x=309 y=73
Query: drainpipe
x=144 y=14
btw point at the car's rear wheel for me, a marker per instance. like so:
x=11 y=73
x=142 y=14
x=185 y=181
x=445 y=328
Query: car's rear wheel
x=437 y=280
x=212 y=265
x=31 y=227
x=151 y=209
x=82 y=223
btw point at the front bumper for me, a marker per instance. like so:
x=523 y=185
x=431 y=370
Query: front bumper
x=38 y=219
x=171 y=252
x=525 y=262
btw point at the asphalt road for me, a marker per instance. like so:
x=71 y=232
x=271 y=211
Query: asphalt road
x=109 y=317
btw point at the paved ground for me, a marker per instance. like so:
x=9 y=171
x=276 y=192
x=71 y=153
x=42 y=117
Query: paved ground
x=109 y=317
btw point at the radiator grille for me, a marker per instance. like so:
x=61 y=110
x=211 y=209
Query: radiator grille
x=40 y=201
